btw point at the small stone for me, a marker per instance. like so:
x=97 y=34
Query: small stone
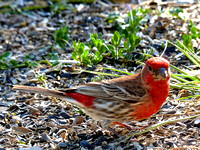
x=197 y=123
x=86 y=144
x=8 y=126
x=171 y=112
x=33 y=111
x=64 y=115
x=45 y=138
x=13 y=80
x=170 y=144
x=13 y=108
x=155 y=144
x=78 y=120
x=1 y=116
x=62 y=145
x=83 y=136
x=62 y=122
x=21 y=130
x=98 y=148
x=13 y=121
x=65 y=75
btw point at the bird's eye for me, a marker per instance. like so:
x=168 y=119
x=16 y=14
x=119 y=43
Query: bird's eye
x=150 y=69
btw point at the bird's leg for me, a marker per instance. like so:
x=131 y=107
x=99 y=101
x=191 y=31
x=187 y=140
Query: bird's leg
x=106 y=125
x=128 y=127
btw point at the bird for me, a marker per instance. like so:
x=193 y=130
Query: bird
x=129 y=98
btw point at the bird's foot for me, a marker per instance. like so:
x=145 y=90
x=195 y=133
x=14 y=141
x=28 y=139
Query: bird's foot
x=128 y=127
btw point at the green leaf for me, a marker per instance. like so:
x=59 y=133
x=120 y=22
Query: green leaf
x=74 y=55
x=14 y=62
x=3 y=66
x=34 y=64
x=61 y=36
x=102 y=49
x=126 y=43
x=137 y=41
x=5 y=56
x=30 y=56
x=112 y=50
x=116 y=36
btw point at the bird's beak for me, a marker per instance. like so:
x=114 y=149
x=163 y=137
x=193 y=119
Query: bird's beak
x=163 y=72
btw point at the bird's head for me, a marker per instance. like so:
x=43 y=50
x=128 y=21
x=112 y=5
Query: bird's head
x=156 y=68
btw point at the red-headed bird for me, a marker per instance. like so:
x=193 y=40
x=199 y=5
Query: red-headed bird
x=134 y=97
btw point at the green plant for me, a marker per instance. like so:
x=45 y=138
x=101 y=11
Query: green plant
x=99 y=44
x=187 y=41
x=189 y=38
x=176 y=13
x=57 y=6
x=6 y=62
x=90 y=53
x=128 y=35
x=117 y=20
x=115 y=43
x=134 y=19
x=3 y=60
x=187 y=79
x=195 y=32
x=52 y=56
x=130 y=31
x=129 y=46
x=131 y=23
x=81 y=53
x=61 y=36
x=42 y=78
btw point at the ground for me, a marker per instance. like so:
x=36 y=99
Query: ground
x=27 y=41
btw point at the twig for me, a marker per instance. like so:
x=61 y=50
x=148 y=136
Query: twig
x=162 y=123
x=103 y=4
x=166 y=44
x=155 y=126
x=64 y=61
x=181 y=114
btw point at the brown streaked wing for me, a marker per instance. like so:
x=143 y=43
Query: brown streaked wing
x=111 y=91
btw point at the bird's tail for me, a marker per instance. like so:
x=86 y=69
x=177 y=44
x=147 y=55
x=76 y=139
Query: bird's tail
x=40 y=90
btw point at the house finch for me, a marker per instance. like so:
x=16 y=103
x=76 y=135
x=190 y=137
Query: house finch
x=134 y=97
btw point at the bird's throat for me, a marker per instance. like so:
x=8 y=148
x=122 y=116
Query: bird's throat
x=157 y=94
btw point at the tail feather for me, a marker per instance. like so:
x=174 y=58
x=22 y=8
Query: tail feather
x=40 y=90
x=55 y=93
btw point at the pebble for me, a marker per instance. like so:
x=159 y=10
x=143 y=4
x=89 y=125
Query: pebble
x=171 y=112
x=8 y=126
x=13 y=80
x=170 y=144
x=65 y=75
x=83 y=136
x=155 y=144
x=31 y=148
x=45 y=138
x=62 y=122
x=62 y=145
x=197 y=123
x=64 y=115
x=1 y=116
x=86 y=144
x=100 y=140
x=98 y=148
x=78 y=120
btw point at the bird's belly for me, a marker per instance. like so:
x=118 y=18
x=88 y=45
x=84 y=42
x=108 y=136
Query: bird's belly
x=145 y=110
x=114 y=111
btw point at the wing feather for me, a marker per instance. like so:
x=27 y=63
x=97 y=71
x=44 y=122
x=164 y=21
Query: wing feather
x=114 y=90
